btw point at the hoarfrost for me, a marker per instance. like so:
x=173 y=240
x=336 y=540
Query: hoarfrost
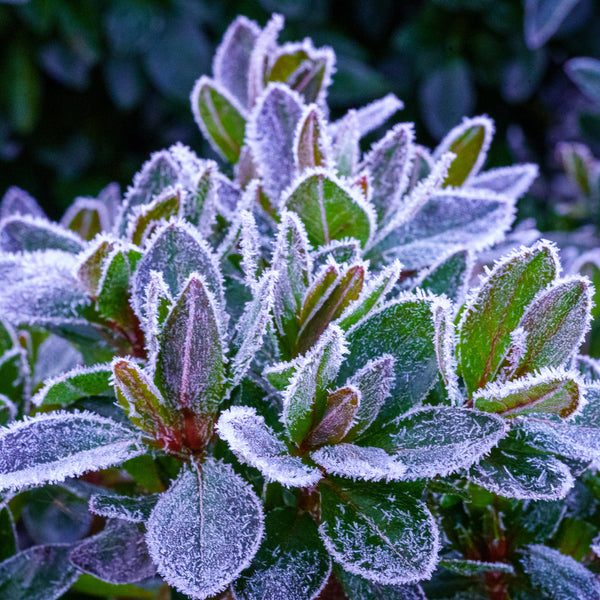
x=256 y=444
x=135 y=509
x=511 y=181
x=250 y=248
x=55 y=356
x=346 y=147
x=373 y=115
x=53 y=446
x=18 y=202
x=27 y=234
x=205 y=529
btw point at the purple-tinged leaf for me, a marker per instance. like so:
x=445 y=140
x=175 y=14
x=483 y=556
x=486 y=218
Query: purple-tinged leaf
x=232 y=58
x=375 y=114
x=190 y=367
x=359 y=587
x=205 y=529
x=117 y=555
x=422 y=166
x=329 y=209
x=256 y=444
x=548 y=391
x=87 y=217
x=29 y=234
x=585 y=73
x=389 y=163
x=496 y=307
x=249 y=247
x=346 y=147
x=346 y=250
x=92 y=263
x=18 y=202
x=220 y=116
x=53 y=446
x=543 y=18
x=511 y=181
x=321 y=285
x=312 y=147
x=271 y=136
x=580 y=165
x=158 y=302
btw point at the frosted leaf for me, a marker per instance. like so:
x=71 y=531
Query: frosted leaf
x=346 y=147
x=252 y=326
x=511 y=181
x=201 y=203
x=358 y=588
x=8 y=410
x=494 y=310
x=305 y=397
x=190 y=361
x=270 y=134
x=470 y=142
x=449 y=220
x=445 y=348
x=18 y=202
x=291 y=562
x=423 y=165
x=588 y=367
x=312 y=146
x=556 y=323
x=549 y=391
x=135 y=509
x=55 y=356
x=578 y=442
x=359 y=462
x=250 y=248
x=589 y=413
x=87 y=217
x=404 y=329
x=438 y=440
x=389 y=163
x=374 y=293
x=379 y=532
x=256 y=444
x=158 y=302
x=449 y=276
x=220 y=117
x=543 y=18
x=346 y=250
x=227 y=193
x=558 y=576
x=110 y=197
x=38 y=573
x=117 y=555
x=52 y=446
x=28 y=234
x=205 y=529
x=373 y=115
x=470 y=568
x=15 y=374
x=279 y=374
x=91 y=262
x=596 y=546
x=232 y=58
x=176 y=250
x=323 y=281
x=156 y=174
x=328 y=208
x=374 y=381
x=75 y=384
x=522 y=475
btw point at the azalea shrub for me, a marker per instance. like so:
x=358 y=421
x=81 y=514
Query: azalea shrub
x=315 y=370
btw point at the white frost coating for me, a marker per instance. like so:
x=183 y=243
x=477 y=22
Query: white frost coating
x=135 y=509
x=591 y=257
x=346 y=145
x=19 y=356
x=18 y=202
x=38 y=398
x=256 y=444
x=253 y=324
x=192 y=253
x=360 y=462
x=157 y=293
x=232 y=57
x=50 y=447
x=596 y=546
x=390 y=163
x=89 y=204
x=6 y=402
x=488 y=128
x=512 y=181
x=374 y=114
x=445 y=348
x=20 y=233
x=270 y=134
x=266 y=43
x=346 y=250
x=514 y=356
x=588 y=367
x=324 y=141
x=205 y=529
x=250 y=248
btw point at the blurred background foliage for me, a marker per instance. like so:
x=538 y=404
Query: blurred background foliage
x=91 y=87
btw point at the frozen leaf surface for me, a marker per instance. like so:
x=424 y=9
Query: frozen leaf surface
x=585 y=73
x=135 y=509
x=511 y=181
x=312 y=146
x=53 y=446
x=291 y=563
x=205 y=530
x=358 y=587
x=255 y=443
x=18 y=202
x=469 y=568
x=378 y=532
x=38 y=573
x=118 y=554
x=450 y=276
x=28 y=234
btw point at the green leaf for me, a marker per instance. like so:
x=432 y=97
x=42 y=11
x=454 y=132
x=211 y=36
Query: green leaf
x=470 y=142
x=495 y=310
x=291 y=563
x=579 y=164
x=86 y=584
x=346 y=148
x=190 y=367
x=90 y=269
x=378 y=531
x=8 y=535
x=135 y=509
x=205 y=530
x=558 y=576
x=556 y=392
x=312 y=148
x=555 y=324
x=358 y=588
x=329 y=209
x=78 y=383
x=449 y=277
x=87 y=217
x=145 y=218
x=470 y=568
x=220 y=118
x=404 y=329
x=38 y=573
x=29 y=234
x=305 y=398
